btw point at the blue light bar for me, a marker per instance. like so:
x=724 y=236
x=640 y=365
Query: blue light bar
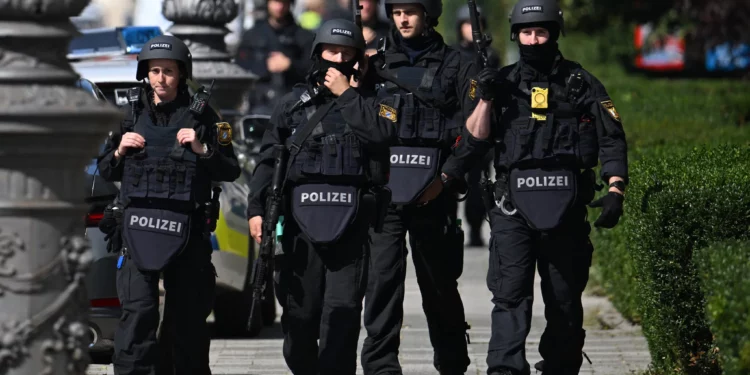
x=135 y=37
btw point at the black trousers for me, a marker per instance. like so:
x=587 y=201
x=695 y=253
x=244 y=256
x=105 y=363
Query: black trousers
x=189 y=282
x=474 y=206
x=437 y=247
x=320 y=289
x=562 y=257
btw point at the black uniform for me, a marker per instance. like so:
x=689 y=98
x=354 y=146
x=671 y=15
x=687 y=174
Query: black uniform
x=322 y=274
x=473 y=206
x=549 y=227
x=545 y=152
x=427 y=130
x=164 y=190
x=255 y=47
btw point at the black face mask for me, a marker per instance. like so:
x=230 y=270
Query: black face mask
x=539 y=56
x=320 y=67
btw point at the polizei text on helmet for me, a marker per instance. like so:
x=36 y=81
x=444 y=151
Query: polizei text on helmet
x=161 y=46
x=532 y=8
x=344 y=32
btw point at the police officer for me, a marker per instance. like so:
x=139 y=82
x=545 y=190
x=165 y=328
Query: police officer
x=465 y=39
x=554 y=122
x=335 y=160
x=473 y=206
x=166 y=155
x=428 y=85
x=373 y=28
x=277 y=50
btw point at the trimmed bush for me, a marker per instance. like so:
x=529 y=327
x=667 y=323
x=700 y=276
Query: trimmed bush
x=663 y=118
x=613 y=266
x=675 y=206
x=724 y=269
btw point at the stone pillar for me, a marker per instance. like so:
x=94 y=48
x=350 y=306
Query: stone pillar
x=49 y=130
x=201 y=25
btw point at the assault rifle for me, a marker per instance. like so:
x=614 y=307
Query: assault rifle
x=264 y=264
x=213 y=207
x=357 y=9
x=357 y=13
x=481 y=41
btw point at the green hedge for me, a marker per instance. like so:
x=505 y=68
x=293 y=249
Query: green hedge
x=724 y=270
x=662 y=118
x=675 y=206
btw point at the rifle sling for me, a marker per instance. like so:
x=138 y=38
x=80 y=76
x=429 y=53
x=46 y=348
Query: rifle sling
x=304 y=133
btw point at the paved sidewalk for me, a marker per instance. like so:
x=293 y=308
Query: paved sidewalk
x=621 y=350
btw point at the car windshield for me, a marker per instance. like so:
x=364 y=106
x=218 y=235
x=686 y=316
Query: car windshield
x=100 y=41
x=92 y=168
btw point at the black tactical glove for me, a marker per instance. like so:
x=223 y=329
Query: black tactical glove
x=487 y=81
x=114 y=241
x=611 y=209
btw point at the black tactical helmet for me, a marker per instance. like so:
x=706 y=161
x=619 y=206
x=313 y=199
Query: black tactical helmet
x=463 y=14
x=535 y=12
x=433 y=8
x=164 y=47
x=340 y=32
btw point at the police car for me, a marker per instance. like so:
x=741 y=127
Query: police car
x=106 y=60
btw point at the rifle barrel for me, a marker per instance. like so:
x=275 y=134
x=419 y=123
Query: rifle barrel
x=357 y=9
x=476 y=33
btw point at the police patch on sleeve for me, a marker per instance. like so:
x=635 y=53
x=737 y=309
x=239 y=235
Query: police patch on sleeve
x=224 y=133
x=472 y=89
x=610 y=107
x=388 y=113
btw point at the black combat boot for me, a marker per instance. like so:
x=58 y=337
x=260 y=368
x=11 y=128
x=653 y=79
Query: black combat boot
x=539 y=366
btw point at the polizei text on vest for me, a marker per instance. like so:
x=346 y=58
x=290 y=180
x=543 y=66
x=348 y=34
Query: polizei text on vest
x=406 y=159
x=154 y=223
x=542 y=181
x=326 y=197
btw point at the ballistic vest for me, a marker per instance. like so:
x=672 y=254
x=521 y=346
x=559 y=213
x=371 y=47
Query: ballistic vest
x=420 y=123
x=164 y=173
x=566 y=139
x=331 y=154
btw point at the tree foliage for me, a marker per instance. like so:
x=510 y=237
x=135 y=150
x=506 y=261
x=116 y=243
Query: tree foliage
x=709 y=20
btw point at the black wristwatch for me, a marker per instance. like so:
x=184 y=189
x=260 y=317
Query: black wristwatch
x=620 y=185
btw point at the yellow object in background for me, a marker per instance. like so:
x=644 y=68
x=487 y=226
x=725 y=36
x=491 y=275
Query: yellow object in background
x=230 y=239
x=310 y=20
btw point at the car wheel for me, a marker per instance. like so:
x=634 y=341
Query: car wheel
x=101 y=358
x=232 y=308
